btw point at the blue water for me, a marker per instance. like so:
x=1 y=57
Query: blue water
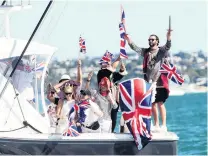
x=187 y=117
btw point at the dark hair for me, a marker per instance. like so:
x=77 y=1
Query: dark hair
x=157 y=38
x=85 y=92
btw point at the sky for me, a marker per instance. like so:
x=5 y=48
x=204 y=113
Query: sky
x=97 y=22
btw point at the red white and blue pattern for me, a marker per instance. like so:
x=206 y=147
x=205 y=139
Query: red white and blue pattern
x=71 y=131
x=82 y=45
x=172 y=73
x=83 y=106
x=122 y=30
x=107 y=57
x=136 y=106
x=40 y=66
x=123 y=17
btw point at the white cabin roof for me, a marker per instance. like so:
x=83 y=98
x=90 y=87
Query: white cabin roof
x=14 y=47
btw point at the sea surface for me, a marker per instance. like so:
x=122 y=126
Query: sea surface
x=187 y=117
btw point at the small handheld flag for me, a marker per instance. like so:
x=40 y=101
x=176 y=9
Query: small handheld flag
x=122 y=30
x=82 y=45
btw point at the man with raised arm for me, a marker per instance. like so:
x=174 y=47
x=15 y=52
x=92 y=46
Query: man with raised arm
x=153 y=57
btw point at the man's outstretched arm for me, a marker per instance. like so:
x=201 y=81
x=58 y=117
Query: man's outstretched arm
x=133 y=46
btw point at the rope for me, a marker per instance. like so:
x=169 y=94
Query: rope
x=14 y=129
x=18 y=101
x=56 y=22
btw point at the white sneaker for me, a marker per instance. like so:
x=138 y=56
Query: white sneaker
x=163 y=128
x=155 y=128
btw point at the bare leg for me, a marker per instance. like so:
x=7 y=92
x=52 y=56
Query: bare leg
x=155 y=114
x=163 y=113
x=122 y=125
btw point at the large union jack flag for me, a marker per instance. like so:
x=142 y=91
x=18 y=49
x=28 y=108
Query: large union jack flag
x=136 y=105
x=122 y=30
x=172 y=73
x=107 y=57
x=82 y=45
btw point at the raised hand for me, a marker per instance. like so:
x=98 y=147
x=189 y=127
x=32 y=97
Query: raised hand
x=79 y=62
x=127 y=38
x=169 y=34
x=90 y=75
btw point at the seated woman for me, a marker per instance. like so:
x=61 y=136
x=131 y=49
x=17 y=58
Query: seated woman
x=89 y=113
x=63 y=108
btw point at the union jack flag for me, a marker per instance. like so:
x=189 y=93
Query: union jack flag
x=28 y=68
x=136 y=105
x=71 y=131
x=107 y=57
x=83 y=105
x=123 y=17
x=74 y=109
x=82 y=45
x=172 y=73
x=122 y=30
x=122 y=41
x=40 y=66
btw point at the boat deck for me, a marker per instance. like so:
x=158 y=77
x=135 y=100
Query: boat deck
x=159 y=136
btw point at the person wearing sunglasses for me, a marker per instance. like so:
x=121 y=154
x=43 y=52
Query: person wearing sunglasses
x=65 y=79
x=153 y=57
x=89 y=113
x=63 y=108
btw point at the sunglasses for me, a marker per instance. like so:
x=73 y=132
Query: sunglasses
x=68 y=93
x=151 y=40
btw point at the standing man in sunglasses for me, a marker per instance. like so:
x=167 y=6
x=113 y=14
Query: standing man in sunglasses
x=153 y=57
